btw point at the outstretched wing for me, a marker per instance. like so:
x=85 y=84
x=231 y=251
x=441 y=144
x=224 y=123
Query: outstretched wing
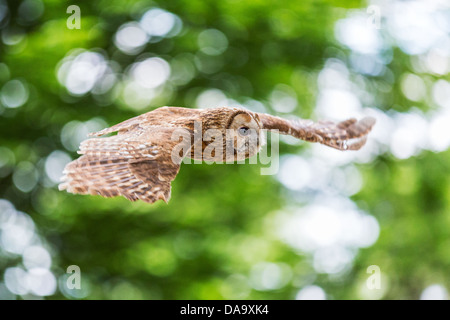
x=136 y=166
x=169 y=117
x=346 y=135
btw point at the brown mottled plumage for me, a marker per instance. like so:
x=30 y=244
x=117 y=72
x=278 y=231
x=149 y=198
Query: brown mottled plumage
x=144 y=157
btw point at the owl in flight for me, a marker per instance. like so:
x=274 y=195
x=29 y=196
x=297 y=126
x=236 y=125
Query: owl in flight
x=144 y=157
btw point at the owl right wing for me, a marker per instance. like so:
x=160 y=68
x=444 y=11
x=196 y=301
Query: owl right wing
x=345 y=135
x=168 y=117
x=136 y=166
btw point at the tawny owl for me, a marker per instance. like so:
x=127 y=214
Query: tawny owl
x=144 y=157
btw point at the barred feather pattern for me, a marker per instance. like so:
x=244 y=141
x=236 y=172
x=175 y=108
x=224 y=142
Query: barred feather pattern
x=134 y=166
x=137 y=163
x=346 y=135
x=349 y=134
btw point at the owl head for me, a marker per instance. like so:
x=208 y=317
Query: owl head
x=244 y=136
x=229 y=134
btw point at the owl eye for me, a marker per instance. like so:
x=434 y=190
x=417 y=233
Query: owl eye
x=243 y=131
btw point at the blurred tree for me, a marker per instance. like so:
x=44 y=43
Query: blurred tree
x=225 y=232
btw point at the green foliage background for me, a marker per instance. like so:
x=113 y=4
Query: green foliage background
x=219 y=222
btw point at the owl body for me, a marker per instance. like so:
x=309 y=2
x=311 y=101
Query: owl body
x=210 y=130
x=144 y=157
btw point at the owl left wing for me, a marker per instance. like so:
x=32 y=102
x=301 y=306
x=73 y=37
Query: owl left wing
x=136 y=167
x=345 y=135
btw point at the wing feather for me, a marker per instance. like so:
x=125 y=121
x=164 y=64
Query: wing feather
x=136 y=167
x=349 y=134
